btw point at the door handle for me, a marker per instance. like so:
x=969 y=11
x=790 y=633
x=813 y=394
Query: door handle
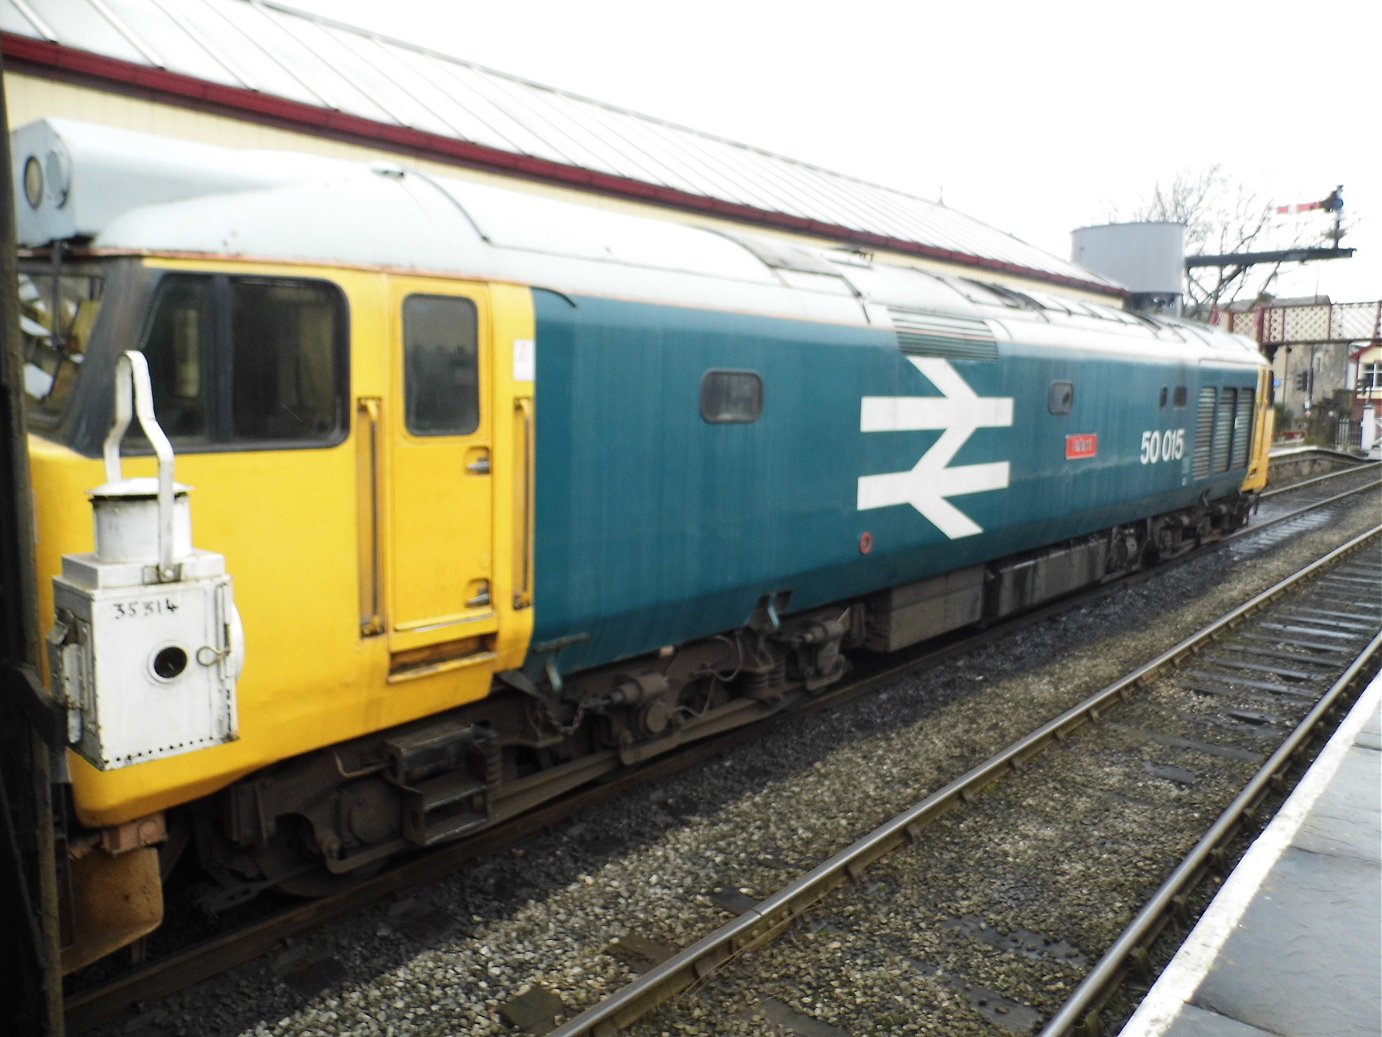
x=367 y=470
x=523 y=414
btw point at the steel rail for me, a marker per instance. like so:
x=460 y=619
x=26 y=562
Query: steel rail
x=1286 y=455
x=697 y=962
x=1367 y=466
x=1082 y=1007
x=1313 y=505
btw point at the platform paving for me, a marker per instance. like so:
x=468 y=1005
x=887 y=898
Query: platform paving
x=1292 y=944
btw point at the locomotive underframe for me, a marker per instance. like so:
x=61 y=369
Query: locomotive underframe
x=308 y=824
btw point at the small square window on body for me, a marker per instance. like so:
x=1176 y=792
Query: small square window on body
x=1061 y=399
x=731 y=397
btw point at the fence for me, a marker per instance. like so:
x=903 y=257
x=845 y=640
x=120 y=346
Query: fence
x=1304 y=324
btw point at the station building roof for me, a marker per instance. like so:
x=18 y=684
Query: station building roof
x=265 y=62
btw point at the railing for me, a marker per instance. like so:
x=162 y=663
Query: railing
x=1306 y=323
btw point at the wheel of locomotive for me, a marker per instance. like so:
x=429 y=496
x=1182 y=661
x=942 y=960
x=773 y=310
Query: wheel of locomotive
x=291 y=863
x=1136 y=547
x=1242 y=510
x=1161 y=539
x=1117 y=552
x=1125 y=550
x=702 y=695
x=174 y=847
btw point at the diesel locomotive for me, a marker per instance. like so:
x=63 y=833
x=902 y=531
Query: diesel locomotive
x=514 y=491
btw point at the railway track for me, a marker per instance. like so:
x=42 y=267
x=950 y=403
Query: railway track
x=1242 y=697
x=1318 y=489
x=156 y=979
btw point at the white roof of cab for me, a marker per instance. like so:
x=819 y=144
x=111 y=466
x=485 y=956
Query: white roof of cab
x=388 y=217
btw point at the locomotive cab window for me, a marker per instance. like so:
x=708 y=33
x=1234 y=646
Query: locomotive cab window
x=283 y=366
x=57 y=314
x=731 y=397
x=247 y=361
x=441 y=375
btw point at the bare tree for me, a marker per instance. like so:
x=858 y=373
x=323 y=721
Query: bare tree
x=1224 y=217
x=1221 y=217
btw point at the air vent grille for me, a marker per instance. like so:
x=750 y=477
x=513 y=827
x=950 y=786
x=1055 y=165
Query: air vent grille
x=933 y=334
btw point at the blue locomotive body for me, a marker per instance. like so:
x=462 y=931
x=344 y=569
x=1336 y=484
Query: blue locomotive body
x=858 y=460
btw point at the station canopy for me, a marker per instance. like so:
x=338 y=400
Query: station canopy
x=261 y=61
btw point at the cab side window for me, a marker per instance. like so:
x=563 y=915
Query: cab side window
x=283 y=361
x=248 y=362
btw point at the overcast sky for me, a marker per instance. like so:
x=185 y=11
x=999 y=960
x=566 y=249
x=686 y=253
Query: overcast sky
x=1033 y=117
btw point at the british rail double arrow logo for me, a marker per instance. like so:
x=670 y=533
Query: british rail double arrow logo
x=932 y=481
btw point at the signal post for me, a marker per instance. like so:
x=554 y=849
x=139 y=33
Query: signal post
x=31 y=726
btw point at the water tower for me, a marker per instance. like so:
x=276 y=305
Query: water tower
x=1146 y=258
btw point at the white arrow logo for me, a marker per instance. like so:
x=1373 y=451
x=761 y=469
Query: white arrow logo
x=926 y=487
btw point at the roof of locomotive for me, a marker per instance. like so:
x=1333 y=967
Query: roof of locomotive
x=387 y=217
x=334 y=80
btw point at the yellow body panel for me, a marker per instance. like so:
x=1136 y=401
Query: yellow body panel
x=1264 y=427
x=291 y=524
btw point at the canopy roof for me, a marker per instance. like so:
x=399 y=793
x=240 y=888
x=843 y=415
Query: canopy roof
x=264 y=61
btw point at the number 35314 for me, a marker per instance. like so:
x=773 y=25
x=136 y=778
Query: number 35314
x=1162 y=445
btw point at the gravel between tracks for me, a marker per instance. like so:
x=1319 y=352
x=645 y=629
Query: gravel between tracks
x=649 y=864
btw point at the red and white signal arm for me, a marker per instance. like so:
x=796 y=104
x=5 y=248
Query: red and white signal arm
x=1082 y=445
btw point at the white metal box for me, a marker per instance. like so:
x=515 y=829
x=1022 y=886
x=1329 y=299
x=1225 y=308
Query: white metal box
x=147 y=669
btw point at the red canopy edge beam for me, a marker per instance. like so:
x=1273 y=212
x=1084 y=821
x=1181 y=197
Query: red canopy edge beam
x=50 y=60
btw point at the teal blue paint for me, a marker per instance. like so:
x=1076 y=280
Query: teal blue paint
x=654 y=527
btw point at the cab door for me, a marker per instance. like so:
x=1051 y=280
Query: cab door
x=440 y=499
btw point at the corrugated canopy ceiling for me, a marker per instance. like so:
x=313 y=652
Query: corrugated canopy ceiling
x=264 y=61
